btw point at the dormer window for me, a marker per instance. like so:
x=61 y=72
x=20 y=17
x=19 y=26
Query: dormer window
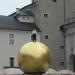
x=27 y=17
x=24 y=18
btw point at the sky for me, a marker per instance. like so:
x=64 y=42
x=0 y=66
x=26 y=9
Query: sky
x=7 y=7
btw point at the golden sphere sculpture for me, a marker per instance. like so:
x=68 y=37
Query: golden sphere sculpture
x=34 y=57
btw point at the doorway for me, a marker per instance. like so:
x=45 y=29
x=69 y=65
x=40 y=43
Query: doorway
x=72 y=62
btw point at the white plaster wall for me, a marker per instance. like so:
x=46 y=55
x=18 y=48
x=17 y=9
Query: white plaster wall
x=24 y=19
x=6 y=50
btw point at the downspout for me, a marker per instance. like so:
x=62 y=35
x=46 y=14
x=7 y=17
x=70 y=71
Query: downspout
x=64 y=34
x=64 y=48
x=64 y=10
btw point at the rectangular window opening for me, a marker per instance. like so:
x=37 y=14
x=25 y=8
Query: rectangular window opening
x=45 y=15
x=11 y=61
x=46 y=37
x=62 y=63
x=11 y=39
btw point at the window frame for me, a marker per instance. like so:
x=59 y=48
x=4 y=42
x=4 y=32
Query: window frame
x=11 y=38
x=46 y=37
x=62 y=63
x=46 y=15
x=28 y=17
x=23 y=17
x=12 y=61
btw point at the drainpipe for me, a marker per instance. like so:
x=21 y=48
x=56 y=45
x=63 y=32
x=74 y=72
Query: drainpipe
x=64 y=10
x=64 y=34
x=64 y=48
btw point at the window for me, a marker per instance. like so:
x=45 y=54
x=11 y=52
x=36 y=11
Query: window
x=23 y=17
x=11 y=61
x=54 y=0
x=45 y=15
x=46 y=37
x=11 y=39
x=62 y=47
x=28 y=17
x=62 y=63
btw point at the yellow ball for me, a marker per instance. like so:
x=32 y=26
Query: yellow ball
x=34 y=57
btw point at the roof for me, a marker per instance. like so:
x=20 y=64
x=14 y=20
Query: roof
x=26 y=10
x=68 y=25
x=11 y=23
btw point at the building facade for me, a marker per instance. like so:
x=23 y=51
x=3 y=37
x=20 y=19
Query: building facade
x=52 y=15
x=11 y=42
x=49 y=16
x=56 y=20
x=14 y=33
